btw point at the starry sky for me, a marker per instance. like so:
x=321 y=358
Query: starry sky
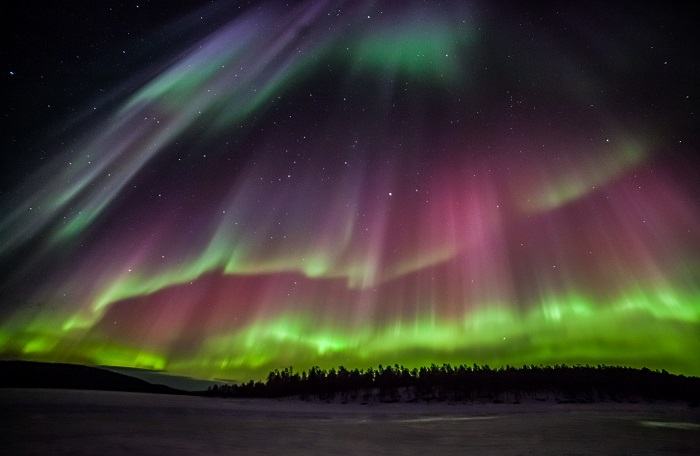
x=220 y=189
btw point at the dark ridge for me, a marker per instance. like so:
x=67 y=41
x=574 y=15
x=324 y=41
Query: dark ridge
x=28 y=374
x=558 y=383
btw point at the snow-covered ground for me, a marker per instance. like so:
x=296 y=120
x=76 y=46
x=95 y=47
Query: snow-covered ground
x=108 y=423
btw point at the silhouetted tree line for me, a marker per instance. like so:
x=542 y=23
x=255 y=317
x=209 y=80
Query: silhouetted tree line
x=471 y=383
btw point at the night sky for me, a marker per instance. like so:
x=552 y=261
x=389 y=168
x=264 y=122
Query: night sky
x=219 y=189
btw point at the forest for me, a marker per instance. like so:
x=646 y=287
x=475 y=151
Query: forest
x=474 y=383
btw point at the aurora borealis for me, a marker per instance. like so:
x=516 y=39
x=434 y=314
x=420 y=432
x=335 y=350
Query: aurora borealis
x=360 y=183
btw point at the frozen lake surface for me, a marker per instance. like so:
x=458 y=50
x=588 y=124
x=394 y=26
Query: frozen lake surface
x=109 y=423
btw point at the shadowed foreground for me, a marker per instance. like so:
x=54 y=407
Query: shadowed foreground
x=109 y=423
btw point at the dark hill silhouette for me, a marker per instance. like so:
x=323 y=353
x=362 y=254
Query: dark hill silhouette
x=28 y=374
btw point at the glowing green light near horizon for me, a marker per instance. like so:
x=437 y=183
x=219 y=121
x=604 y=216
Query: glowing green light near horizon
x=562 y=329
